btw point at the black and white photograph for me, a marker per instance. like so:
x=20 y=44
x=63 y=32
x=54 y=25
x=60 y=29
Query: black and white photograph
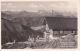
x=39 y=25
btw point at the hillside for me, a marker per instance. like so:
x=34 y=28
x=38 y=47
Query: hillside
x=30 y=21
x=11 y=31
x=9 y=17
x=24 y=20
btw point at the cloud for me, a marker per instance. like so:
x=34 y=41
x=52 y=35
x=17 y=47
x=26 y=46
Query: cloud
x=35 y=6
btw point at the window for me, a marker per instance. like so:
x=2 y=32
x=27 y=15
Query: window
x=61 y=31
x=67 y=32
x=55 y=32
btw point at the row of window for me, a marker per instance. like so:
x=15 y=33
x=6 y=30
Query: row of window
x=63 y=32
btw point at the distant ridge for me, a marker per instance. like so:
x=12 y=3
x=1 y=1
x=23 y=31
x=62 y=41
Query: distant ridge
x=40 y=13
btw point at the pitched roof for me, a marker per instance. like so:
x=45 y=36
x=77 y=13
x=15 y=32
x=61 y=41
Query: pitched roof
x=59 y=23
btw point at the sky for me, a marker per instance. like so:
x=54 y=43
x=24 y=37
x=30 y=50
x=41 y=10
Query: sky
x=33 y=6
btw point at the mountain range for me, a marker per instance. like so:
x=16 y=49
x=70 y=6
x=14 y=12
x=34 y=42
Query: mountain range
x=41 y=13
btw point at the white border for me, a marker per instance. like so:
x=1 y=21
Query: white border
x=43 y=49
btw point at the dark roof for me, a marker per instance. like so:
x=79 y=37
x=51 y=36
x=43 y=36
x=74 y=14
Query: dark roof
x=59 y=23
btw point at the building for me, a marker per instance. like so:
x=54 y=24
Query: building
x=62 y=26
